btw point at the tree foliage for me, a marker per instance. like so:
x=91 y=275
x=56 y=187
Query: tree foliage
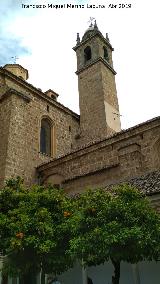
x=32 y=231
x=43 y=229
x=120 y=226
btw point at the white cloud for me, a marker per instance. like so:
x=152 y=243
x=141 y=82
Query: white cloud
x=50 y=34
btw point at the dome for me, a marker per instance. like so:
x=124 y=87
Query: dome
x=92 y=30
x=17 y=70
x=88 y=33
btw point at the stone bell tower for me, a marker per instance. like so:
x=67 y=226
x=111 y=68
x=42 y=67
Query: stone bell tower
x=99 y=110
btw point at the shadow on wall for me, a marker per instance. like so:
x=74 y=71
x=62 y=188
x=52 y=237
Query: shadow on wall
x=143 y=273
x=54 y=179
x=156 y=154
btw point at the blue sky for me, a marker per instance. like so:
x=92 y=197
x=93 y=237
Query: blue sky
x=42 y=39
x=10 y=44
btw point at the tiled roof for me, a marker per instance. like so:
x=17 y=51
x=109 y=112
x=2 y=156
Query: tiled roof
x=148 y=184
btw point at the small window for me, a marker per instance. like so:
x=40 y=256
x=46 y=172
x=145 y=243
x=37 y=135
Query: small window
x=45 y=137
x=106 y=57
x=87 y=54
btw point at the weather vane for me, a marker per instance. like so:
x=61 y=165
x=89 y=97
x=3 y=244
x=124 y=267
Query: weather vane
x=14 y=59
x=91 y=19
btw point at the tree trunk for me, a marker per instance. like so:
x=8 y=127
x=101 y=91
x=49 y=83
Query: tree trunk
x=4 y=279
x=29 y=278
x=116 y=277
x=42 y=277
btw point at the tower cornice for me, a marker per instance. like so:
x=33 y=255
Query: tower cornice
x=94 y=62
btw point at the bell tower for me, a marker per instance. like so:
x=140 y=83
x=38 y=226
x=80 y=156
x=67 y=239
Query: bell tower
x=99 y=110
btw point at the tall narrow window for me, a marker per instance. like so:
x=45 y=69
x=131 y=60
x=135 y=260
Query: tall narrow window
x=87 y=54
x=45 y=137
x=106 y=57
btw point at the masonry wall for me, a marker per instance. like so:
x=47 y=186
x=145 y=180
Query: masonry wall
x=21 y=131
x=125 y=155
x=93 y=119
x=5 y=115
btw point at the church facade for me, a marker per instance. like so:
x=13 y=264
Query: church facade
x=43 y=141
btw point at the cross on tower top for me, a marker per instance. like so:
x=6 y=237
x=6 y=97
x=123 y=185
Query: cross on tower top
x=14 y=59
x=91 y=20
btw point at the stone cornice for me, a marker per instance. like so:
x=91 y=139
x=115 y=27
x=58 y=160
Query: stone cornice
x=92 y=172
x=11 y=91
x=100 y=59
x=36 y=91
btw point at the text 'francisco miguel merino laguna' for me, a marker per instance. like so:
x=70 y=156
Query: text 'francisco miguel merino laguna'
x=61 y=6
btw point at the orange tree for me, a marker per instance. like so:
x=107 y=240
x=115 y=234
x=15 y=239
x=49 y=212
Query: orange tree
x=32 y=234
x=120 y=226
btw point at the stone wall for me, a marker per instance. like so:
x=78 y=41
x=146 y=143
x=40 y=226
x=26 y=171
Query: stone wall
x=155 y=201
x=75 y=166
x=92 y=119
x=22 y=108
x=124 y=155
x=5 y=115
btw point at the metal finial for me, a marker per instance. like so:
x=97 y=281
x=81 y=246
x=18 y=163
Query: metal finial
x=78 y=38
x=14 y=59
x=95 y=25
x=107 y=38
x=91 y=19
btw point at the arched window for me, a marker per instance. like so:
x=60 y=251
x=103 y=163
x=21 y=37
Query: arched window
x=106 y=57
x=87 y=54
x=45 y=137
